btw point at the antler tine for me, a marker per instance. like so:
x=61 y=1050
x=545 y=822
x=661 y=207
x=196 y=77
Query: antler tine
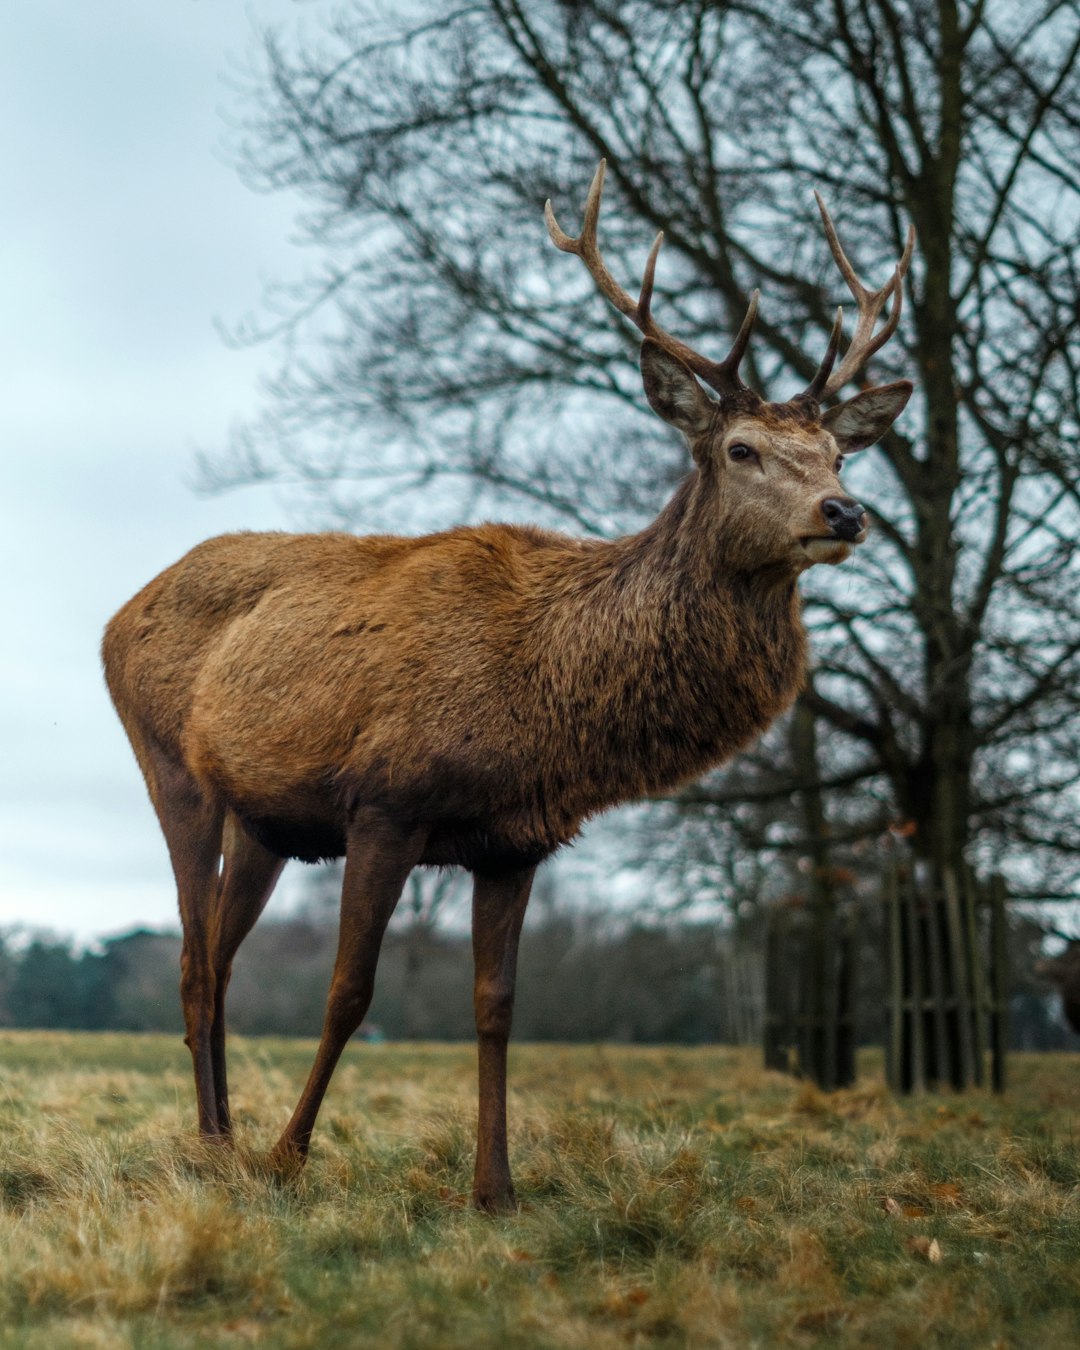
x=719 y=375
x=870 y=303
x=587 y=249
x=731 y=362
x=815 y=389
x=644 y=303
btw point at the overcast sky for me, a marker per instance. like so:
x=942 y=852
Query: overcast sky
x=124 y=233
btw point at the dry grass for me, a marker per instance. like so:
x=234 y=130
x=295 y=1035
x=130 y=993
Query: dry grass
x=670 y=1198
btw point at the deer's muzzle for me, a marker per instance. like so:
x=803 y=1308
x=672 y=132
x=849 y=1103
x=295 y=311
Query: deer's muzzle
x=844 y=516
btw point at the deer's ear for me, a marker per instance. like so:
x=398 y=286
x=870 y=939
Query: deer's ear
x=672 y=390
x=864 y=419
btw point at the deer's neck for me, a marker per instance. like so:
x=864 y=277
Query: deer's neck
x=677 y=660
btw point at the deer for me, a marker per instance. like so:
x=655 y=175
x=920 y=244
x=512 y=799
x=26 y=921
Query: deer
x=469 y=698
x=1063 y=971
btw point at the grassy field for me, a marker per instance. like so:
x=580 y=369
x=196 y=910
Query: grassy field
x=670 y=1197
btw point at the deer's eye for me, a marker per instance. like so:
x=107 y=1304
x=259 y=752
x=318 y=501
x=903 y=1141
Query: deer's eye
x=839 y=464
x=738 y=451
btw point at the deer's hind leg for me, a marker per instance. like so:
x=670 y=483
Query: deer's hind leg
x=191 y=821
x=249 y=874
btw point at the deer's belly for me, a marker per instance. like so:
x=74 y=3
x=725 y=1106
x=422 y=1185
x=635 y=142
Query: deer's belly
x=450 y=843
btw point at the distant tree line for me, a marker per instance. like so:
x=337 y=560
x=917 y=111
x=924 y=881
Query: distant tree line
x=642 y=984
x=582 y=979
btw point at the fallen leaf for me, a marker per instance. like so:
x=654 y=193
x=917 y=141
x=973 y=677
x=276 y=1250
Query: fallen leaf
x=244 y=1329
x=827 y=1320
x=928 y=1248
x=892 y=1207
x=946 y=1192
x=620 y=1304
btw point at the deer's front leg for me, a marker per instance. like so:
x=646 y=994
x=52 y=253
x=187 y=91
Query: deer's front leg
x=499 y=902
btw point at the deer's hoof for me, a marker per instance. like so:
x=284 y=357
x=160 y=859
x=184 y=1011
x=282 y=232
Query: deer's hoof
x=284 y=1163
x=495 y=1202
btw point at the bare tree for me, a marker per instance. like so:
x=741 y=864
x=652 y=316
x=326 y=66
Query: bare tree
x=441 y=344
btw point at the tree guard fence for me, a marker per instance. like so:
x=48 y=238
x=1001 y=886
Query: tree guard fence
x=809 y=992
x=946 y=982
x=945 y=934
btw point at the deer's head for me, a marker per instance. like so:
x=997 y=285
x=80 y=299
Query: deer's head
x=773 y=467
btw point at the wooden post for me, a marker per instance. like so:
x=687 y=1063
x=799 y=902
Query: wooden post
x=847 y=998
x=777 y=1026
x=827 y=1070
x=957 y=949
x=970 y=892
x=895 y=949
x=825 y=1001
x=917 y=1077
x=999 y=981
x=944 y=1059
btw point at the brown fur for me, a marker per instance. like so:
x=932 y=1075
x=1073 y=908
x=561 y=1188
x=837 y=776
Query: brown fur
x=465 y=698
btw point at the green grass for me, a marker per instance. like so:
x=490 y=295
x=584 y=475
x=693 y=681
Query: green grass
x=669 y=1198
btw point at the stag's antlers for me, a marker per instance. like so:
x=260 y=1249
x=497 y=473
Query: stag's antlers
x=723 y=376
x=870 y=304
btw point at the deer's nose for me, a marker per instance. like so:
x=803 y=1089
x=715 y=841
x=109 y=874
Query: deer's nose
x=844 y=516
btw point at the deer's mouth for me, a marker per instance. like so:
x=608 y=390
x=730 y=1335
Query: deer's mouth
x=828 y=548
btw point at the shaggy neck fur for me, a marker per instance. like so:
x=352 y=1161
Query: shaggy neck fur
x=679 y=658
